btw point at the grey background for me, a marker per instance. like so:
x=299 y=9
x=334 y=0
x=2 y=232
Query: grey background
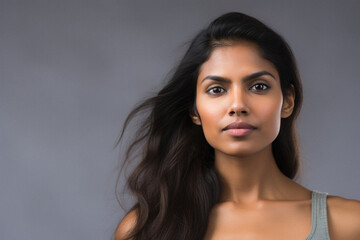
x=70 y=71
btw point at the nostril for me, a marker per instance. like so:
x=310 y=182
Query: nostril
x=232 y=112
x=242 y=112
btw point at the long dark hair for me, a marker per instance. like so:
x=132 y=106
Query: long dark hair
x=176 y=184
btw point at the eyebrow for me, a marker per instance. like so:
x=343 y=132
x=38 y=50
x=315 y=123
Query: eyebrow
x=245 y=79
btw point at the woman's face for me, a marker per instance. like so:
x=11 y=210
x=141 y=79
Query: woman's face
x=236 y=85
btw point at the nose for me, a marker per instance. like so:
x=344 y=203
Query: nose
x=239 y=103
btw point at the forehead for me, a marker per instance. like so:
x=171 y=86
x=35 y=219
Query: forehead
x=236 y=59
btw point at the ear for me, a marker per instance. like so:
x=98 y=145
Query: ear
x=288 y=103
x=194 y=115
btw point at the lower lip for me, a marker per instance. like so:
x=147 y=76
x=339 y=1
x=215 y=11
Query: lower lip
x=239 y=131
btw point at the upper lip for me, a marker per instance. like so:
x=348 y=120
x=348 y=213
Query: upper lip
x=239 y=125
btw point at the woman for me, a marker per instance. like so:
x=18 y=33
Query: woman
x=219 y=147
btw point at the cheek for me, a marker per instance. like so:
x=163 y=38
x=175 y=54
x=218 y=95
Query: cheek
x=272 y=116
x=272 y=110
x=210 y=115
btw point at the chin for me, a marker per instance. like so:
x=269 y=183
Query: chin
x=242 y=151
x=238 y=153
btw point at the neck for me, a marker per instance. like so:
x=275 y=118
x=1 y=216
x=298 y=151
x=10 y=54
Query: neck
x=250 y=179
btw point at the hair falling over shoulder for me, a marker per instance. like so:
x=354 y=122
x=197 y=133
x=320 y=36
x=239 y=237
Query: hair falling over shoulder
x=175 y=183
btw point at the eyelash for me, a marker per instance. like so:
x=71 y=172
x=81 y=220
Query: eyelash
x=256 y=84
x=261 y=84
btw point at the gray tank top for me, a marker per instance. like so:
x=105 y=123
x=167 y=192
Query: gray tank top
x=319 y=225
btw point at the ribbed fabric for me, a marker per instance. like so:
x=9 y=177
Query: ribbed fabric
x=319 y=225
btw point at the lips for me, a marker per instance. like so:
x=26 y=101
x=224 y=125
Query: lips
x=239 y=125
x=239 y=129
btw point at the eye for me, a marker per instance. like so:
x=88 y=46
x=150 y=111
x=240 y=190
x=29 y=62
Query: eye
x=259 y=87
x=215 y=90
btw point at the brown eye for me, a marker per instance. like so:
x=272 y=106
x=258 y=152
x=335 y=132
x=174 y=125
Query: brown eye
x=216 y=90
x=259 y=87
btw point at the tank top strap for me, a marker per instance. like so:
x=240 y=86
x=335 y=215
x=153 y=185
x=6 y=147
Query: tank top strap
x=319 y=224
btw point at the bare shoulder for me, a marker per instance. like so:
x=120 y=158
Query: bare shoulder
x=126 y=225
x=343 y=218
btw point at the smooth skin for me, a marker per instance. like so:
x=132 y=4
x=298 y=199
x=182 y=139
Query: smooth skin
x=258 y=202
